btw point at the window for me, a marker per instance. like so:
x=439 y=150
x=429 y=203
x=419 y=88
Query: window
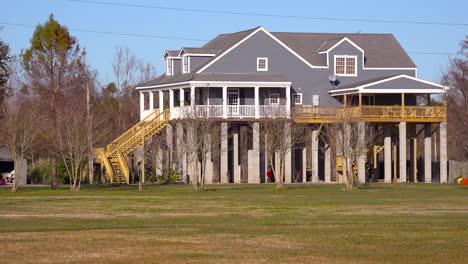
x=297 y=98
x=168 y=67
x=345 y=65
x=262 y=64
x=185 y=64
x=274 y=99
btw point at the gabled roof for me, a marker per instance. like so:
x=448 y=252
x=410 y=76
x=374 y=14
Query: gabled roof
x=381 y=50
x=391 y=84
x=200 y=51
x=171 y=53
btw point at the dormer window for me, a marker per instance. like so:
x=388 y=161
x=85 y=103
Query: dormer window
x=169 y=70
x=185 y=64
x=262 y=64
x=346 y=65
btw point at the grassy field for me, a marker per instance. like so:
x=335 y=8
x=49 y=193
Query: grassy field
x=405 y=223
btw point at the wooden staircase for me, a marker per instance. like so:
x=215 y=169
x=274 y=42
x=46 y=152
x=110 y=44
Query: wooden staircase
x=112 y=156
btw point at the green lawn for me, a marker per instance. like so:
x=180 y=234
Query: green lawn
x=404 y=223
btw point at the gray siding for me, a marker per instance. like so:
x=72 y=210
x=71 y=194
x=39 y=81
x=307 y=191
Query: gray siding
x=196 y=62
x=264 y=94
x=177 y=67
x=243 y=59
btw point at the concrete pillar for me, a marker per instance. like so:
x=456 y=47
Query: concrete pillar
x=287 y=157
x=159 y=161
x=224 y=153
x=362 y=156
x=327 y=163
x=235 y=147
x=267 y=159
x=388 y=154
x=209 y=163
x=277 y=165
x=304 y=164
x=314 y=156
x=427 y=153
x=443 y=152
x=254 y=155
x=180 y=150
x=402 y=142
x=170 y=147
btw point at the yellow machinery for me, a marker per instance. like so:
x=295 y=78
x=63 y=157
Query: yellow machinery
x=112 y=156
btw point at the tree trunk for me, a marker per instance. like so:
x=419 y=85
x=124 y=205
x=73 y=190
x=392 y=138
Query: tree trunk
x=53 y=176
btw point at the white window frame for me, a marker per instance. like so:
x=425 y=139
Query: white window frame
x=296 y=98
x=185 y=62
x=169 y=67
x=270 y=98
x=345 y=57
x=266 y=64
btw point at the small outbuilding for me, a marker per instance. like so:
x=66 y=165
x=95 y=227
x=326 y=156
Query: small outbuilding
x=7 y=165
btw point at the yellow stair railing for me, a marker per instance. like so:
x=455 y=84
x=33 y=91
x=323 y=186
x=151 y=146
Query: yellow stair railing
x=113 y=155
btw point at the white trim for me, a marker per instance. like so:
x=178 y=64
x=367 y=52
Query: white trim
x=219 y=83
x=269 y=99
x=339 y=42
x=345 y=57
x=185 y=59
x=293 y=99
x=266 y=63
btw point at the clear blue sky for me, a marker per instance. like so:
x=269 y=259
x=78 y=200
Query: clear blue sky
x=171 y=23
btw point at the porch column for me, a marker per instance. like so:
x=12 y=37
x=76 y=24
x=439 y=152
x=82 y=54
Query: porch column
x=288 y=100
x=327 y=163
x=180 y=149
x=142 y=104
x=151 y=101
x=224 y=153
x=209 y=163
x=257 y=100
x=254 y=155
x=388 y=154
x=314 y=156
x=171 y=99
x=427 y=153
x=362 y=157
x=443 y=152
x=402 y=142
x=161 y=101
x=287 y=156
x=192 y=95
x=304 y=163
x=225 y=101
x=182 y=96
x=235 y=147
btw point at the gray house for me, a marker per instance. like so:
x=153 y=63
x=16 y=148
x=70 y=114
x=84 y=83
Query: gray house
x=240 y=78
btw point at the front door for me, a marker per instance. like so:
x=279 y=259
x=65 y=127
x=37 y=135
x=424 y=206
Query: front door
x=233 y=101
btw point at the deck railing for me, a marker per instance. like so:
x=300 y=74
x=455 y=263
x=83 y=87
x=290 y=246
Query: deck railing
x=370 y=113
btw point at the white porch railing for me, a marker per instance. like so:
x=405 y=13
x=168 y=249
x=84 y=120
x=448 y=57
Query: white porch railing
x=241 y=111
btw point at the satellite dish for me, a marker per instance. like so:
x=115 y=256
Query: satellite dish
x=334 y=80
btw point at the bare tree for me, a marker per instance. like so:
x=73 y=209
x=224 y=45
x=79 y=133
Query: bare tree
x=456 y=77
x=20 y=131
x=351 y=139
x=281 y=135
x=199 y=140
